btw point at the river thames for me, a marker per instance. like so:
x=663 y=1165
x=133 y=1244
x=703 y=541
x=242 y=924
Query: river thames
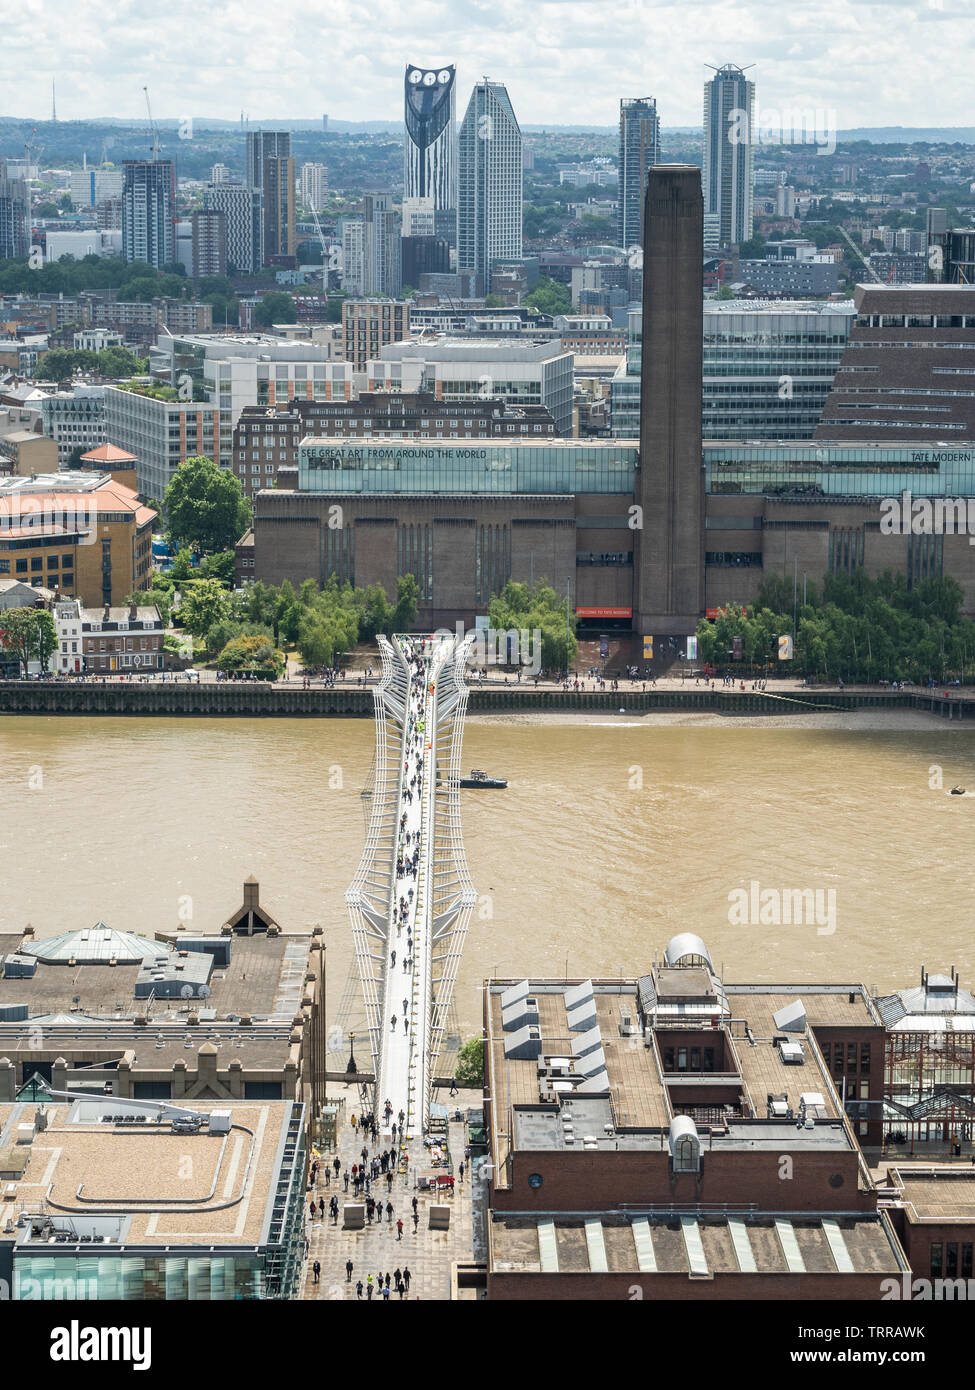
x=613 y=835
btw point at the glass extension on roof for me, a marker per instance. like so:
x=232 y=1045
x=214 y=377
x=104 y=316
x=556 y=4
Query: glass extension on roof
x=478 y=466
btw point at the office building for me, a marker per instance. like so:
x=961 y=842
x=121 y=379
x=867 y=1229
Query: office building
x=149 y=212
x=209 y=233
x=422 y=251
x=729 y=115
x=74 y=419
x=520 y=372
x=669 y=597
x=791 y=278
x=271 y=169
x=83 y=533
x=89 y=187
x=489 y=214
x=14 y=215
x=639 y=151
x=430 y=149
x=371 y=249
x=369 y=325
x=161 y=434
x=219 y=173
x=91 y=242
x=906 y=374
x=314 y=186
x=241 y=206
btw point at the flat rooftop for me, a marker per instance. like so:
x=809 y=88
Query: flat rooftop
x=610 y=1086
x=936 y=1194
x=129 y=1180
x=690 y=1244
x=263 y=979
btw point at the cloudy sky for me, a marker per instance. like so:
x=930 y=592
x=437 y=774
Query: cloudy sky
x=900 y=62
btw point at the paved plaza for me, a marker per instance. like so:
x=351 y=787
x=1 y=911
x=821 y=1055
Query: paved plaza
x=375 y=1249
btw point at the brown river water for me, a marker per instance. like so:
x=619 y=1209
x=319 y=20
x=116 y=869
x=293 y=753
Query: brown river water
x=613 y=835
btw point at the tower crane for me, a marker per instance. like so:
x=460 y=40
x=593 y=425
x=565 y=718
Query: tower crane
x=153 y=133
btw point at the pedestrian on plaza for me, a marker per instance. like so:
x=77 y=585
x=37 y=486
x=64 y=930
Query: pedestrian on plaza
x=392 y=1158
x=386 y=1292
x=321 y=1207
x=369 y=1289
x=337 y=1165
x=398 y=1275
x=328 y=1175
x=358 y=1288
x=348 y=1271
x=393 y=1023
x=354 y=1123
x=399 y=1228
x=460 y=1170
x=365 y=1153
x=399 y=1287
x=389 y=1180
x=345 y=1179
x=406 y=1277
x=389 y=1211
x=316 y=1269
x=369 y=1279
x=312 y=1211
x=416 y=1203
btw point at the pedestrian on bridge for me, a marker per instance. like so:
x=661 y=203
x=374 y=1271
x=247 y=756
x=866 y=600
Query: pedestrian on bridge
x=393 y=1022
x=337 y=1165
x=311 y=1211
x=321 y=1207
x=348 y=1271
x=415 y=1205
x=316 y=1269
x=399 y=1229
x=406 y=1005
x=358 y=1288
x=389 y=1212
x=365 y=1153
x=345 y=1179
x=406 y=1277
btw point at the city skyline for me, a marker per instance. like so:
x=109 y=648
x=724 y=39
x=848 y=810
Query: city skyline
x=846 y=57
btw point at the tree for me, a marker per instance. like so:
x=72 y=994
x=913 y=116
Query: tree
x=205 y=506
x=28 y=634
x=252 y=652
x=407 y=602
x=469 y=1069
x=221 y=565
x=182 y=566
x=275 y=307
x=537 y=609
x=549 y=297
x=149 y=598
x=205 y=603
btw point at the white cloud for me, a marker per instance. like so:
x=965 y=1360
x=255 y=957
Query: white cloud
x=564 y=61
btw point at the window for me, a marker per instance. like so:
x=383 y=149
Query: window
x=827 y=1051
x=951 y=1260
x=851 y=1056
x=865 y=1060
x=966 y=1260
x=936 y=1250
x=37 y=562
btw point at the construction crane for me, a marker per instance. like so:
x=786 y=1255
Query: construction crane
x=154 y=136
x=321 y=240
x=866 y=264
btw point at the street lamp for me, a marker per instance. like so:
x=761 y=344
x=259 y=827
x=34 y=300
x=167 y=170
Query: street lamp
x=350 y=1066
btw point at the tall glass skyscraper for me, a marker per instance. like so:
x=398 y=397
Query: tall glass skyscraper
x=729 y=120
x=489 y=184
x=149 y=211
x=271 y=168
x=430 y=150
x=639 y=150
